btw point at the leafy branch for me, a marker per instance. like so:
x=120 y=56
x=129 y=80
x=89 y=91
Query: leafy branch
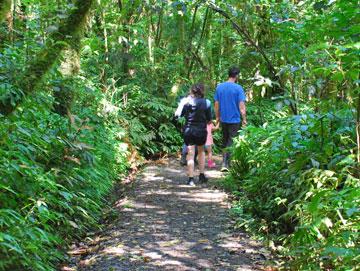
x=45 y=59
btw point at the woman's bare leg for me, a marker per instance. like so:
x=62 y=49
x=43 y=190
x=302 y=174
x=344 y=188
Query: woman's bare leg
x=201 y=157
x=209 y=151
x=190 y=161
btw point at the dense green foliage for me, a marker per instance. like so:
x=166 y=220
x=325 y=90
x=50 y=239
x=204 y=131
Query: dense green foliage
x=55 y=175
x=64 y=147
x=297 y=175
x=85 y=92
x=150 y=124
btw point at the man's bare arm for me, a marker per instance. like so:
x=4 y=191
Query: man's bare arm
x=243 y=113
x=217 y=112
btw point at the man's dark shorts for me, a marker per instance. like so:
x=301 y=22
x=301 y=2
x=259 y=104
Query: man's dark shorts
x=229 y=131
x=195 y=136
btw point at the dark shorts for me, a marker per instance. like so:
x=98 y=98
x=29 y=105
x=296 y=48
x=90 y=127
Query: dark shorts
x=195 y=136
x=229 y=131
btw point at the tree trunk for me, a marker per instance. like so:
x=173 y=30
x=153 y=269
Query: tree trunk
x=199 y=42
x=246 y=36
x=358 y=132
x=10 y=22
x=182 y=42
x=150 y=42
x=159 y=28
x=5 y=8
x=69 y=67
x=44 y=60
x=210 y=58
x=6 y=14
x=190 y=40
x=103 y=31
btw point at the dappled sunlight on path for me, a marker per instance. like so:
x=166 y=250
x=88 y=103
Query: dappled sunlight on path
x=164 y=224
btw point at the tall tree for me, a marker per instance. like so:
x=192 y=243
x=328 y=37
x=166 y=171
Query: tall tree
x=44 y=60
x=5 y=7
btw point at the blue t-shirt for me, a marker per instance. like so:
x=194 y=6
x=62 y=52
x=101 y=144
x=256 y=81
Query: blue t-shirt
x=229 y=95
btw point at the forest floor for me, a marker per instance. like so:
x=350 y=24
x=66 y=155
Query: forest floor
x=163 y=224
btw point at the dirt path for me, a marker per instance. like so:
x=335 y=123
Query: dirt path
x=164 y=224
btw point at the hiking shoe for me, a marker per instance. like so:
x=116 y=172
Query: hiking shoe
x=202 y=178
x=211 y=164
x=224 y=169
x=191 y=182
x=225 y=163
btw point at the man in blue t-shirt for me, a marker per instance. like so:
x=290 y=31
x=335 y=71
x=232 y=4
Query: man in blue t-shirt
x=230 y=111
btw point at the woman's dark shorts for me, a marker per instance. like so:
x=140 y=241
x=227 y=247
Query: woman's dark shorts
x=195 y=136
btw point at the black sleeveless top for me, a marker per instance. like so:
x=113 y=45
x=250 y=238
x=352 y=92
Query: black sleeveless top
x=197 y=112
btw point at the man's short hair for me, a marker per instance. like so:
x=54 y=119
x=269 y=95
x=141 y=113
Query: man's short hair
x=233 y=72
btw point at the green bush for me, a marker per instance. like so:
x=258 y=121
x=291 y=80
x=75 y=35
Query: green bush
x=55 y=174
x=57 y=169
x=148 y=118
x=264 y=110
x=297 y=178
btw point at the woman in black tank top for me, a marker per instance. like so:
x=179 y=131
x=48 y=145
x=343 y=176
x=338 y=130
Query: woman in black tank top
x=197 y=112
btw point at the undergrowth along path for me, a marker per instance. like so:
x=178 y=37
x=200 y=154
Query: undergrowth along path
x=163 y=224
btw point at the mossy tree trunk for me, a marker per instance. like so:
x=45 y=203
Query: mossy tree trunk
x=5 y=14
x=45 y=59
x=69 y=68
x=5 y=7
x=358 y=133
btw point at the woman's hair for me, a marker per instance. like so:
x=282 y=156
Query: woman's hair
x=198 y=90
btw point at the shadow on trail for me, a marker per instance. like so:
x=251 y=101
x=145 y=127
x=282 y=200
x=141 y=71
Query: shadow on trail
x=166 y=225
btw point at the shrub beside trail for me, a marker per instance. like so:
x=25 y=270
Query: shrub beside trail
x=296 y=179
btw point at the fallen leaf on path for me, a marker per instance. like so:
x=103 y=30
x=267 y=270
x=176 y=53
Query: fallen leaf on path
x=224 y=235
x=82 y=251
x=270 y=268
x=171 y=243
x=87 y=261
x=79 y=251
x=66 y=268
